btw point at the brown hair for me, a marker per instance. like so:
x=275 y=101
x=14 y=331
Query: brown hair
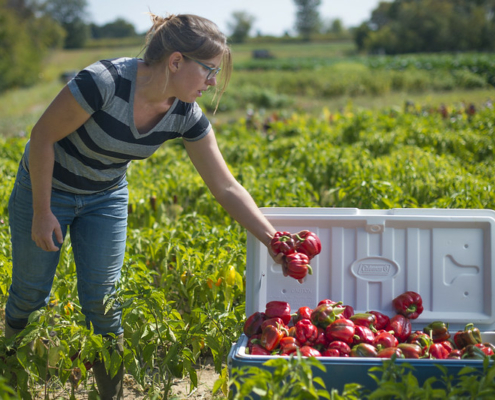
x=193 y=36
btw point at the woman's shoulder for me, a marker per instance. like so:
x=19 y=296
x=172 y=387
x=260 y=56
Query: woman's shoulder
x=182 y=108
x=123 y=66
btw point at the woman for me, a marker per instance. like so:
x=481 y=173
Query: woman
x=72 y=174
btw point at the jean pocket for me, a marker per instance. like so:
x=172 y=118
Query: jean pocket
x=23 y=178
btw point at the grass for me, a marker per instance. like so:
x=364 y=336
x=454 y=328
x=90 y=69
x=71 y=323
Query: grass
x=243 y=52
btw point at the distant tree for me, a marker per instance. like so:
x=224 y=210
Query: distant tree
x=240 y=26
x=336 y=26
x=119 y=28
x=408 y=26
x=71 y=14
x=361 y=35
x=25 y=38
x=307 y=17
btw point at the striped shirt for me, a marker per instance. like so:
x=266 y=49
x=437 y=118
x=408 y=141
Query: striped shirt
x=95 y=157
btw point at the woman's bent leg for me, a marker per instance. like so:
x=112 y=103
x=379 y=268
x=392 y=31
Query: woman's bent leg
x=98 y=237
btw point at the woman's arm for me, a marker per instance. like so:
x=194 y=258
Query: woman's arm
x=62 y=117
x=206 y=157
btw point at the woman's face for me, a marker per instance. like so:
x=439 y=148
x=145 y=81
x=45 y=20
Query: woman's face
x=191 y=79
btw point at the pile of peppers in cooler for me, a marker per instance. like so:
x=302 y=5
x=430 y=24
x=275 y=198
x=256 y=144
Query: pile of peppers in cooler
x=298 y=250
x=332 y=329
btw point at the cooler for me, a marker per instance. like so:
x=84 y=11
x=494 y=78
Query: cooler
x=368 y=258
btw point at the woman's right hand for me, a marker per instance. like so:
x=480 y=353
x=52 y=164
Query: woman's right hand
x=44 y=226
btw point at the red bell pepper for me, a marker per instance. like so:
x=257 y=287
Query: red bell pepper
x=385 y=339
x=409 y=304
x=388 y=352
x=489 y=345
x=486 y=349
x=470 y=335
x=308 y=351
x=348 y=312
x=382 y=320
x=438 y=331
x=276 y=321
x=324 y=314
x=298 y=265
x=292 y=331
x=342 y=347
x=306 y=332
x=341 y=329
x=308 y=243
x=364 y=319
x=473 y=352
x=259 y=350
x=410 y=350
x=282 y=242
x=363 y=334
x=255 y=339
x=302 y=313
x=328 y=301
x=271 y=336
x=438 y=351
x=330 y=353
x=280 y=309
x=252 y=325
x=364 y=350
x=288 y=345
x=448 y=345
x=401 y=326
x=455 y=354
x=420 y=338
x=321 y=341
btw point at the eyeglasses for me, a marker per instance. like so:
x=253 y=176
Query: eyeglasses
x=212 y=71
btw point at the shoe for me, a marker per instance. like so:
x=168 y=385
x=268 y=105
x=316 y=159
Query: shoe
x=110 y=388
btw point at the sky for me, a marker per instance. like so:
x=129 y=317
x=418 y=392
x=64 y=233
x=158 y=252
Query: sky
x=272 y=17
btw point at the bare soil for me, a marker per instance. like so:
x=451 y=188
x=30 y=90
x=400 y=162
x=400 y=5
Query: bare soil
x=181 y=389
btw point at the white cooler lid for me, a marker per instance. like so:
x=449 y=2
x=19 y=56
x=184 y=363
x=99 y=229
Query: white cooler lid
x=369 y=257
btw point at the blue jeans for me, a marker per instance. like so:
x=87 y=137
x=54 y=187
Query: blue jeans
x=97 y=226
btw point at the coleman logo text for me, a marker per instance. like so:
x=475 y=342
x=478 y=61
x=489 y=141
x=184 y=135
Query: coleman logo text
x=374 y=269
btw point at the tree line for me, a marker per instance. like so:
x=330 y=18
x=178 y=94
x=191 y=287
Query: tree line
x=426 y=26
x=31 y=28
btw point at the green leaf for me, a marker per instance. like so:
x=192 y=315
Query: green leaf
x=217 y=385
x=193 y=376
x=171 y=354
x=22 y=357
x=319 y=380
x=54 y=355
x=148 y=352
x=115 y=363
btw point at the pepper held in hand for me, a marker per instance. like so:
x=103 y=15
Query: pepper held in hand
x=282 y=242
x=308 y=243
x=298 y=265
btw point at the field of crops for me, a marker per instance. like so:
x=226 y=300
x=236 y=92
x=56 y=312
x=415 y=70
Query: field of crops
x=300 y=77
x=182 y=289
